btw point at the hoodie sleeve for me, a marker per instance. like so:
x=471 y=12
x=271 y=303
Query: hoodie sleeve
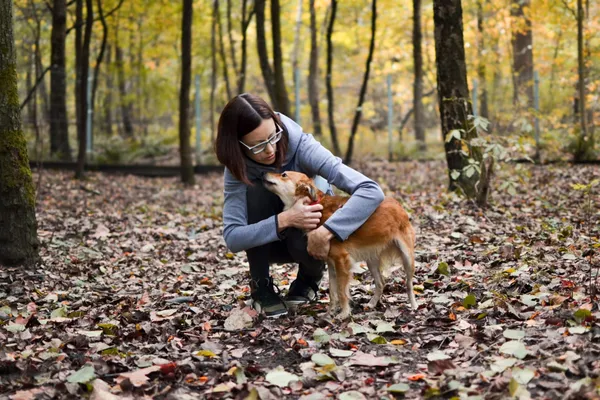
x=237 y=233
x=366 y=195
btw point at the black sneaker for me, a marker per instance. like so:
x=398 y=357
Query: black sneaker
x=266 y=301
x=301 y=292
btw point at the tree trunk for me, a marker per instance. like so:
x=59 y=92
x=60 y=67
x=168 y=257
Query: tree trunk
x=283 y=101
x=418 y=78
x=481 y=74
x=313 y=74
x=83 y=87
x=363 y=89
x=79 y=80
x=231 y=41
x=222 y=51
x=59 y=123
x=585 y=144
x=296 y=60
x=125 y=102
x=330 y=108
x=522 y=49
x=453 y=93
x=263 y=55
x=107 y=106
x=185 y=149
x=246 y=18
x=213 y=76
x=100 y=56
x=18 y=227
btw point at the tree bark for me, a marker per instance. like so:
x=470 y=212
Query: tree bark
x=79 y=80
x=585 y=144
x=263 y=55
x=125 y=102
x=296 y=59
x=185 y=148
x=363 y=89
x=246 y=18
x=313 y=74
x=330 y=107
x=418 y=78
x=100 y=55
x=59 y=124
x=222 y=51
x=231 y=41
x=453 y=93
x=18 y=226
x=107 y=106
x=522 y=43
x=283 y=101
x=213 y=75
x=481 y=74
x=83 y=87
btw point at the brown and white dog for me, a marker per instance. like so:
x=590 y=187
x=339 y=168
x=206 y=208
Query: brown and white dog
x=385 y=237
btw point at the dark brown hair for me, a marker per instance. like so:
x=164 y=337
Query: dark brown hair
x=243 y=114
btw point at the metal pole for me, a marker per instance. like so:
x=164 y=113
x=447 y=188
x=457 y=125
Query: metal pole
x=475 y=97
x=90 y=112
x=297 y=93
x=198 y=123
x=390 y=117
x=536 y=105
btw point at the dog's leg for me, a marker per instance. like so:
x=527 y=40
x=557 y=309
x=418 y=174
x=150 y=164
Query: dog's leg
x=342 y=271
x=379 y=282
x=408 y=261
x=333 y=288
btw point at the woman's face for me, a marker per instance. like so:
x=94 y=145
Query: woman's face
x=266 y=131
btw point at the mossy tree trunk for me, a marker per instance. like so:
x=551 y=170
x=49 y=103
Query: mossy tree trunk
x=453 y=93
x=18 y=227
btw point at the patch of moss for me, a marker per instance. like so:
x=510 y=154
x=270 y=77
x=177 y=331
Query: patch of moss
x=8 y=76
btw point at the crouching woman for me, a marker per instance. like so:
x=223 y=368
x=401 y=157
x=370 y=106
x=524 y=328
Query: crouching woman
x=253 y=139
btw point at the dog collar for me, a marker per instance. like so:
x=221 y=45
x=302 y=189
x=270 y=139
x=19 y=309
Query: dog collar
x=316 y=201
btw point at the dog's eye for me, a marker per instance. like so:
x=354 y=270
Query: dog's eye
x=283 y=175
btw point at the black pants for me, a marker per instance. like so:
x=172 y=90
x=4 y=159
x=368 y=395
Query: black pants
x=263 y=204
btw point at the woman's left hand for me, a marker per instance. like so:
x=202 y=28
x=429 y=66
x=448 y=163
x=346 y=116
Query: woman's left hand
x=318 y=243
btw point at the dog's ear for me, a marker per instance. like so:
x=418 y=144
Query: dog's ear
x=306 y=189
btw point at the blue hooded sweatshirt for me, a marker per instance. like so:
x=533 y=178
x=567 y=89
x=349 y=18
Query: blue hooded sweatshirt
x=308 y=156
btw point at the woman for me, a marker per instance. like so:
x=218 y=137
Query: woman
x=253 y=139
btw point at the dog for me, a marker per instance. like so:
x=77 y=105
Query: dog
x=385 y=237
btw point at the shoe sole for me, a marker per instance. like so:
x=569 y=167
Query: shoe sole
x=259 y=310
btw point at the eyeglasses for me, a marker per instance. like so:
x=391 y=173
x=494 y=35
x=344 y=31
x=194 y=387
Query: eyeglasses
x=259 y=148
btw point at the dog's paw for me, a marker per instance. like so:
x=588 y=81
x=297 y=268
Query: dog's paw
x=343 y=315
x=372 y=304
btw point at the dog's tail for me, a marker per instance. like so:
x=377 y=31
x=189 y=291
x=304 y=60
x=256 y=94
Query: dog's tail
x=406 y=244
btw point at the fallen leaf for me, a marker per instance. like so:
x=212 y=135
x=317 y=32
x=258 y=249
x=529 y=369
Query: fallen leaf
x=322 y=359
x=238 y=320
x=84 y=375
x=137 y=378
x=370 y=360
x=280 y=377
x=514 y=348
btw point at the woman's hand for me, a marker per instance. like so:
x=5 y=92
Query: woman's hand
x=301 y=215
x=319 y=243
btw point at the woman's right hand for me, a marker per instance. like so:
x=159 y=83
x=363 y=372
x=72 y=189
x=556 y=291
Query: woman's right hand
x=301 y=215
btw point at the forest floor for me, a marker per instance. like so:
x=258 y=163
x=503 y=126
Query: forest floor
x=138 y=297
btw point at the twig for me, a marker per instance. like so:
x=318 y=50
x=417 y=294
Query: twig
x=32 y=90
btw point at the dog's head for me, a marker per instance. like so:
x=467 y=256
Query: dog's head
x=291 y=186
